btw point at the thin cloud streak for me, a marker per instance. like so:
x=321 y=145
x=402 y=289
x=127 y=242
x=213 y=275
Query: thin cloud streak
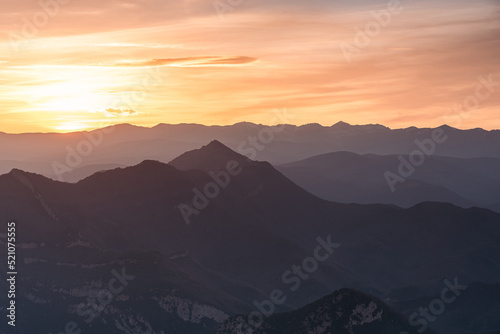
x=190 y=62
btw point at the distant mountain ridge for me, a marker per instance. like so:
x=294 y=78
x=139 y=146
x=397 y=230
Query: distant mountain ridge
x=347 y=177
x=75 y=155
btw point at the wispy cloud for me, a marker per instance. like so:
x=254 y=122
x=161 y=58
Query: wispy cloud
x=188 y=62
x=202 y=61
x=143 y=45
x=117 y=112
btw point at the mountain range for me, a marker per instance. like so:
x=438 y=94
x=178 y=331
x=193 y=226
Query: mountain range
x=347 y=177
x=213 y=233
x=74 y=156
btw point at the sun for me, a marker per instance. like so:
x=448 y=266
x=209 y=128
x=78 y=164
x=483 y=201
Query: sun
x=72 y=89
x=71 y=126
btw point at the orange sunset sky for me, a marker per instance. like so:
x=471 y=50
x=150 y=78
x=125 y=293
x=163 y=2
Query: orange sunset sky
x=82 y=64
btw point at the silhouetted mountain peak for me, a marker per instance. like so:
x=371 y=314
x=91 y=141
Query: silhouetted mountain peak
x=312 y=126
x=339 y=312
x=151 y=163
x=27 y=177
x=146 y=172
x=216 y=145
x=210 y=157
x=20 y=175
x=15 y=171
x=125 y=126
x=245 y=125
x=215 y=148
x=346 y=126
x=341 y=125
x=446 y=127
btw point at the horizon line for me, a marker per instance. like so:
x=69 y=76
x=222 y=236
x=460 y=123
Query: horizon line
x=340 y=123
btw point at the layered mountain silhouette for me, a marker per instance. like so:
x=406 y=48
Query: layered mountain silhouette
x=241 y=242
x=81 y=153
x=352 y=178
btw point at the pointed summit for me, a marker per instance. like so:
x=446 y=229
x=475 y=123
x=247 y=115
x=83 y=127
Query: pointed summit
x=446 y=127
x=215 y=144
x=211 y=157
x=351 y=308
x=341 y=125
x=27 y=178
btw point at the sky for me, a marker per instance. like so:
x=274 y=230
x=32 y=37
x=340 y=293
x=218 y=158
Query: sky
x=69 y=65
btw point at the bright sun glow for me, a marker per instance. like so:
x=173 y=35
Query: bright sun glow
x=71 y=126
x=74 y=103
x=71 y=89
